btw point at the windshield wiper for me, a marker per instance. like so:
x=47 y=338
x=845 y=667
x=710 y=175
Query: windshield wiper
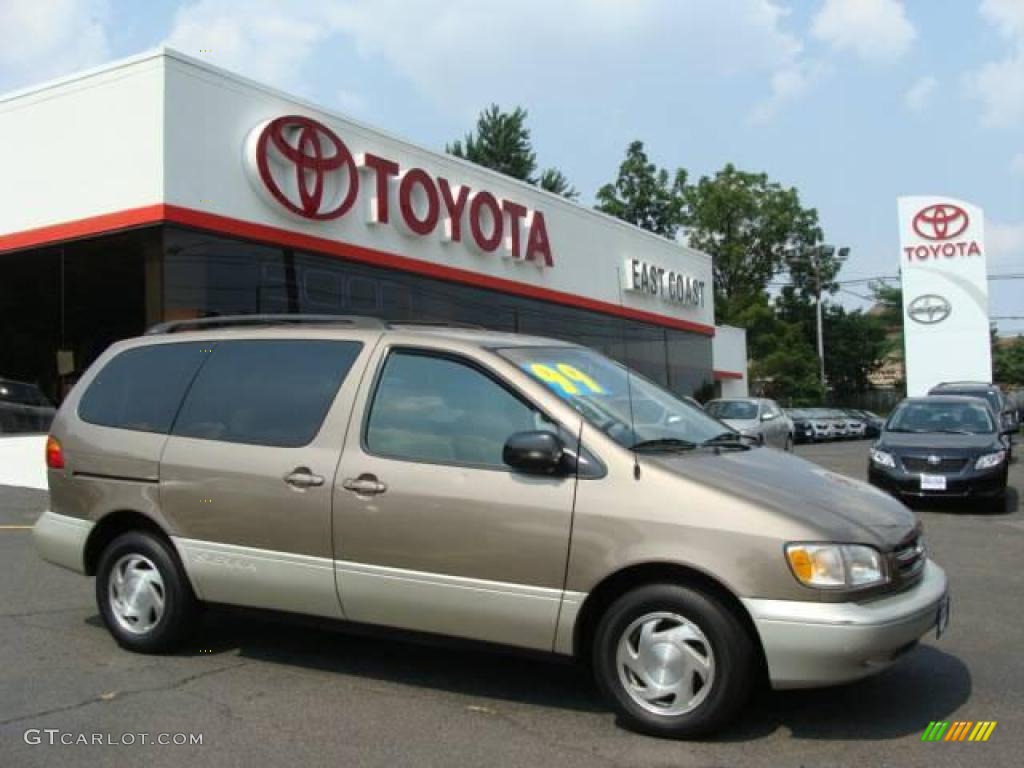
x=955 y=432
x=731 y=440
x=663 y=444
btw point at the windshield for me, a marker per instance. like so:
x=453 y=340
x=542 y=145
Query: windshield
x=967 y=418
x=600 y=390
x=23 y=394
x=990 y=396
x=740 y=410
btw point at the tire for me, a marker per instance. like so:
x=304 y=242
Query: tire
x=164 y=610
x=716 y=671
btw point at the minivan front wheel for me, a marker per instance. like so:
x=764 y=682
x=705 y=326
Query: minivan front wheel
x=144 y=597
x=673 y=661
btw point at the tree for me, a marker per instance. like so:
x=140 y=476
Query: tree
x=855 y=344
x=553 y=180
x=502 y=143
x=754 y=229
x=645 y=195
x=784 y=365
x=1008 y=362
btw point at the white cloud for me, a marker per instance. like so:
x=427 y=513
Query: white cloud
x=999 y=84
x=874 y=30
x=787 y=85
x=42 y=40
x=1017 y=164
x=453 y=52
x=920 y=93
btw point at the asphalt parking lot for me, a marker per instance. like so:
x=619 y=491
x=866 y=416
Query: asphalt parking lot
x=262 y=690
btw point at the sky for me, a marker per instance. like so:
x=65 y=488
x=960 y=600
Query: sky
x=853 y=102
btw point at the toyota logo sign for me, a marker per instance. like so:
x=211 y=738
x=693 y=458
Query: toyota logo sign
x=306 y=168
x=929 y=309
x=942 y=221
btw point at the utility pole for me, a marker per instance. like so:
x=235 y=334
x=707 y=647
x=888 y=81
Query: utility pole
x=816 y=255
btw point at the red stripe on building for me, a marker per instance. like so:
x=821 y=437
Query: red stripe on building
x=727 y=375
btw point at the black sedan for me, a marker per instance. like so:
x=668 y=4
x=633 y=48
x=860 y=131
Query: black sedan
x=941 y=447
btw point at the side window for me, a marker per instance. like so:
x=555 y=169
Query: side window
x=439 y=410
x=142 y=388
x=266 y=392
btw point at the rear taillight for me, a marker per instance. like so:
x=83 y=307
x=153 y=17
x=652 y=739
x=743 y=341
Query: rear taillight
x=54 y=453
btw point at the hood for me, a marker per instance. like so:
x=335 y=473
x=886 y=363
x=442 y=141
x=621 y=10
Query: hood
x=848 y=509
x=744 y=425
x=938 y=443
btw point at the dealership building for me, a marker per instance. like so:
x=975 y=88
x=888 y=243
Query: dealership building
x=161 y=188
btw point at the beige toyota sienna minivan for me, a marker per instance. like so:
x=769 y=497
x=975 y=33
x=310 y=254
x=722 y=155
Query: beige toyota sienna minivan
x=482 y=485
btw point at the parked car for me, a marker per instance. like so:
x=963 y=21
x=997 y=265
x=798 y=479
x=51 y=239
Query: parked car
x=840 y=431
x=1005 y=414
x=824 y=425
x=755 y=417
x=803 y=425
x=873 y=423
x=856 y=427
x=477 y=484
x=23 y=408
x=942 y=446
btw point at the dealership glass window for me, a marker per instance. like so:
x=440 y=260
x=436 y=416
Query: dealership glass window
x=265 y=392
x=258 y=278
x=61 y=306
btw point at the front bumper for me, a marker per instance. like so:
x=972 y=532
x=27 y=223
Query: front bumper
x=60 y=539
x=808 y=644
x=971 y=483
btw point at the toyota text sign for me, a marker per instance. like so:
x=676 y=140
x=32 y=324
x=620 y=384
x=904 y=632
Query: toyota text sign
x=945 y=292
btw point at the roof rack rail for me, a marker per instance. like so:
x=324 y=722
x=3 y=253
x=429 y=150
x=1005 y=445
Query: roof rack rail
x=437 y=324
x=234 y=321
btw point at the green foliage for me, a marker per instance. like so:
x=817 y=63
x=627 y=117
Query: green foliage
x=784 y=365
x=754 y=229
x=502 y=143
x=553 y=180
x=645 y=195
x=855 y=344
x=1008 y=363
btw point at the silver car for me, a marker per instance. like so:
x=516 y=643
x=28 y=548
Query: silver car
x=755 y=417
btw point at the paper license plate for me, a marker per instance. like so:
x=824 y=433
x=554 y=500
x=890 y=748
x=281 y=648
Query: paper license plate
x=942 y=621
x=933 y=482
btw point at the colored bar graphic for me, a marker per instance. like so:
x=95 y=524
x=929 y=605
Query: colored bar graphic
x=959 y=730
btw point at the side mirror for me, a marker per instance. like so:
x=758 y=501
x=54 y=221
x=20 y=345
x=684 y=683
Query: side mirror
x=536 y=453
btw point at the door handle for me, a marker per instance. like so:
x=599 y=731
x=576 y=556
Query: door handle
x=364 y=485
x=301 y=477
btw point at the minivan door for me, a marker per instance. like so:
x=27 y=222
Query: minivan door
x=246 y=475
x=433 y=531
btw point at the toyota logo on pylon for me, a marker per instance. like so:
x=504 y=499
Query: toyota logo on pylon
x=305 y=167
x=942 y=221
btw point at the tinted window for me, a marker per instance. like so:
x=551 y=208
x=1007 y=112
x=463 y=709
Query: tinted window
x=266 y=392
x=439 y=410
x=142 y=388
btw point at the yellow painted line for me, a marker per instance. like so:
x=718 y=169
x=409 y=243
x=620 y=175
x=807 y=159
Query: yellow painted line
x=15 y=527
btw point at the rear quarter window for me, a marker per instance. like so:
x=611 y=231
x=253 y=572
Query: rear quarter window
x=266 y=392
x=142 y=388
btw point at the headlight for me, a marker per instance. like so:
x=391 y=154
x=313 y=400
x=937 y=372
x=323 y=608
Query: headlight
x=883 y=458
x=832 y=566
x=990 y=460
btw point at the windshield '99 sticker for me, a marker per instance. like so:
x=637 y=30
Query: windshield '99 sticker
x=565 y=379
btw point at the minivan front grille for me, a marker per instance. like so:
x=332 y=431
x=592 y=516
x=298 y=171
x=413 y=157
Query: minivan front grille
x=909 y=559
x=943 y=466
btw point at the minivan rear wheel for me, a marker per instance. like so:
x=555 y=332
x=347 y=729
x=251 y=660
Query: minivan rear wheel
x=143 y=595
x=673 y=661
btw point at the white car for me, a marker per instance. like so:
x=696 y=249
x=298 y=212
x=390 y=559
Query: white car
x=755 y=417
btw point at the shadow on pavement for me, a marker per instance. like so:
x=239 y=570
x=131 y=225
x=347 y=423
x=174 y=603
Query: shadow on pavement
x=928 y=684
x=457 y=667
